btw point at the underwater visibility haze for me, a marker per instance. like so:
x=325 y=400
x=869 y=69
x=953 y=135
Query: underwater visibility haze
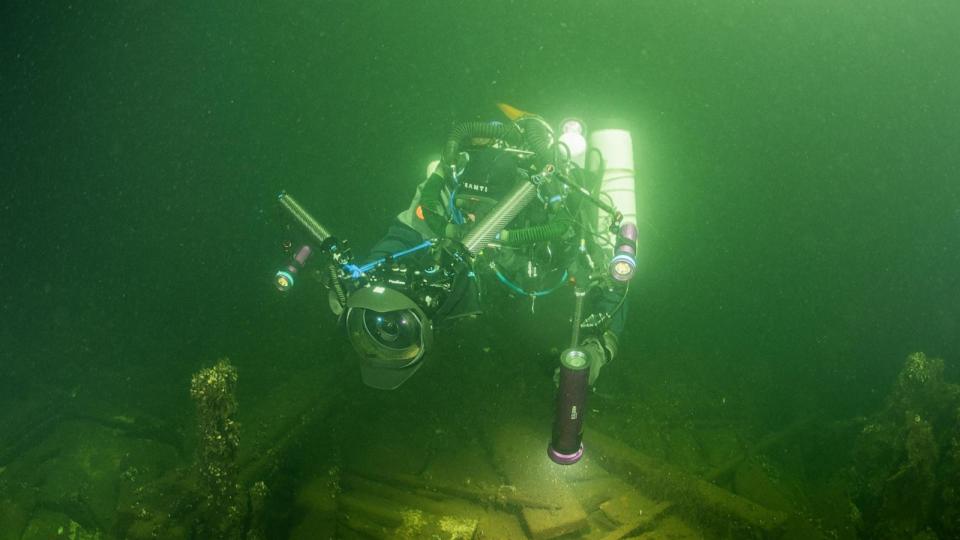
x=788 y=360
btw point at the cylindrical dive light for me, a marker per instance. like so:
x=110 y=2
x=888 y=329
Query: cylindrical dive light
x=566 y=447
x=285 y=277
x=624 y=261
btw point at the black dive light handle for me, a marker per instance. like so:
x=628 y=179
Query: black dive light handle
x=582 y=192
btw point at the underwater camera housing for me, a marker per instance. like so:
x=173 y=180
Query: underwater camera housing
x=387 y=306
x=390 y=332
x=389 y=317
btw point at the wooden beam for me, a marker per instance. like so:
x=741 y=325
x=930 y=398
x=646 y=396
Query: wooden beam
x=641 y=520
x=723 y=473
x=498 y=496
x=687 y=491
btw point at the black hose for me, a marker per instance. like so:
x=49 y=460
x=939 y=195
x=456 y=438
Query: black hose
x=336 y=285
x=594 y=169
x=538 y=233
x=482 y=130
x=537 y=137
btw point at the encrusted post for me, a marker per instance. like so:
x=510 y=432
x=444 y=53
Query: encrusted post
x=213 y=390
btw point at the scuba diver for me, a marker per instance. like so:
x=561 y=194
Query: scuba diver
x=508 y=204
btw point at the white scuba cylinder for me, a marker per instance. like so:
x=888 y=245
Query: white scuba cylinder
x=618 y=185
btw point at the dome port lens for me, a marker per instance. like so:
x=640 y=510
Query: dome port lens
x=396 y=330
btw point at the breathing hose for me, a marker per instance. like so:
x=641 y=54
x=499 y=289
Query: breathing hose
x=471 y=130
x=537 y=136
x=538 y=233
x=334 y=273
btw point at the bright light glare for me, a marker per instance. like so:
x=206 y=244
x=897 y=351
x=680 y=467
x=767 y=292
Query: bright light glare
x=575 y=142
x=572 y=126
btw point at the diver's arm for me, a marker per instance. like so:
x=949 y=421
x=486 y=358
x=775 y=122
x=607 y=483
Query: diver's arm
x=432 y=205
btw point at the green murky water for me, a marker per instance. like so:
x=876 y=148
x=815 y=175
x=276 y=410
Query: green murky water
x=797 y=177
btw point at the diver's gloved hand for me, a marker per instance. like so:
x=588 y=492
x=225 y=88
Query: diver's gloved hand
x=597 y=356
x=600 y=351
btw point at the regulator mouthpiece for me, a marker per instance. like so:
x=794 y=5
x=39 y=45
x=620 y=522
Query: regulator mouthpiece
x=286 y=277
x=624 y=262
x=566 y=447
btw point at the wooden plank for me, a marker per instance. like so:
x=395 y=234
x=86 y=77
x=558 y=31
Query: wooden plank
x=491 y=522
x=520 y=454
x=596 y=491
x=637 y=521
x=544 y=524
x=626 y=507
x=722 y=473
x=465 y=464
x=666 y=482
x=499 y=525
x=503 y=496
x=371 y=515
x=442 y=505
x=674 y=528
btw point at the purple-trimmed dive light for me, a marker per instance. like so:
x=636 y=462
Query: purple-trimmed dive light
x=566 y=446
x=624 y=262
x=284 y=278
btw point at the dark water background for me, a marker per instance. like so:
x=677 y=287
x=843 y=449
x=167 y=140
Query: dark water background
x=797 y=162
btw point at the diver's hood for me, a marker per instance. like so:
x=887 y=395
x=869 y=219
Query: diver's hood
x=390 y=334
